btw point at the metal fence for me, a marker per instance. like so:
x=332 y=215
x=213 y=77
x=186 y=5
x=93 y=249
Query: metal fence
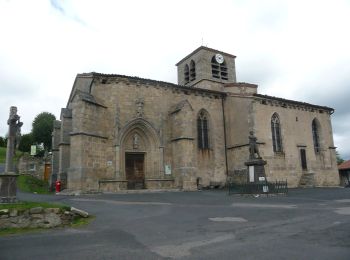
x=277 y=187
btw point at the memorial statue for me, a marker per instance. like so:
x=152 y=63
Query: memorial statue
x=135 y=141
x=253 y=146
x=139 y=107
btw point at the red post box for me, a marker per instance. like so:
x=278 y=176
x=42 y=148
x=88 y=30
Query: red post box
x=58 y=186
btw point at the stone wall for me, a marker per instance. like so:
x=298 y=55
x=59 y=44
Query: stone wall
x=31 y=165
x=56 y=136
x=112 y=117
x=35 y=218
x=296 y=132
x=104 y=122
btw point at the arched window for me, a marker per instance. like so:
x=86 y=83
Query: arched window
x=203 y=130
x=219 y=71
x=316 y=135
x=276 y=133
x=187 y=74
x=192 y=70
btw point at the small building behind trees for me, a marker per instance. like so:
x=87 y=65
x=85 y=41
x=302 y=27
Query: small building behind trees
x=344 y=172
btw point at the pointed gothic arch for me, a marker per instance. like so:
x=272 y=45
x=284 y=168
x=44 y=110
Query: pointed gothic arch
x=192 y=70
x=203 y=129
x=316 y=130
x=140 y=138
x=142 y=125
x=187 y=74
x=276 y=133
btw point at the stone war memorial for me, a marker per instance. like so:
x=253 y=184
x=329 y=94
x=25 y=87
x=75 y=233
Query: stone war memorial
x=120 y=132
x=8 y=186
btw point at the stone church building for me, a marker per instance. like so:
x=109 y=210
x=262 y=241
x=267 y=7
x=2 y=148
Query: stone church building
x=120 y=132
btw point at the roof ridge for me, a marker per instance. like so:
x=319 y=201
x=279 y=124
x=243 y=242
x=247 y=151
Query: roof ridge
x=205 y=48
x=293 y=101
x=152 y=81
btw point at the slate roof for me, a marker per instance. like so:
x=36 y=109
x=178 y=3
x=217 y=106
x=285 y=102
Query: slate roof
x=294 y=102
x=168 y=84
x=344 y=166
x=148 y=81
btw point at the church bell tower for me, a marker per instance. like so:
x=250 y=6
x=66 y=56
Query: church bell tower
x=206 y=68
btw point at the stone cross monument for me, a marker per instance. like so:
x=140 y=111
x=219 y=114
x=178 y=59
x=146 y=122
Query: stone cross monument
x=13 y=137
x=8 y=187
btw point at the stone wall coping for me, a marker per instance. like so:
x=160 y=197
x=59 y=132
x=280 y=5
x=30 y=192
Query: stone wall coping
x=62 y=143
x=150 y=179
x=182 y=138
x=8 y=174
x=158 y=179
x=242 y=145
x=113 y=180
x=88 y=134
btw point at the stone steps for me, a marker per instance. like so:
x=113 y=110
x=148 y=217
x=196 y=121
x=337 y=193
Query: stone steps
x=307 y=180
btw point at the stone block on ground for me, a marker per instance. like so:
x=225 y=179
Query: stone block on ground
x=36 y=210
x=13 y=213
x=79 y=212
x=4 y=211
x=52 y=220
x=52 y=210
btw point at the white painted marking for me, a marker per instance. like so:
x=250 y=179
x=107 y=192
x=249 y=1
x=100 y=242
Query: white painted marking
x=228 y=219
x=176 y=251
x=254 y=205
x=125 y=202
x=343 y=211
x=343 y=201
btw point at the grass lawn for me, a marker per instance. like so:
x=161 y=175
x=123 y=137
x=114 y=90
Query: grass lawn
x=2 y=154
x=31 y=184
x=23 y=205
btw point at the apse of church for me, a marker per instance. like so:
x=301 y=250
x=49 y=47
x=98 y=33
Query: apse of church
x=119 y=132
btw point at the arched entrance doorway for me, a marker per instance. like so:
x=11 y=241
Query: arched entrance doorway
x=141 y=157
x=135 y=170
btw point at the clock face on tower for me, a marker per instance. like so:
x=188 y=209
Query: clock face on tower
x=219 y=58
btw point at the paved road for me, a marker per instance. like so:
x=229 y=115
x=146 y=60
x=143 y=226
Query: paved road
x=307 y=224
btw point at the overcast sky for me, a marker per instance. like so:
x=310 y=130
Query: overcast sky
x=297 y=50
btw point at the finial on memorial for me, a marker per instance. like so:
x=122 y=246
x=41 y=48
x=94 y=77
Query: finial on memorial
x=253 y=146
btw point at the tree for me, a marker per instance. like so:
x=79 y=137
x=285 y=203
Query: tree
x=42 y=129
x=339 y=159
x=25 y=142
x=2 y=141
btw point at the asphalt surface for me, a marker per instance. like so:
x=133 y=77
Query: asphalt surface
x=306 y=224
x=2 y=167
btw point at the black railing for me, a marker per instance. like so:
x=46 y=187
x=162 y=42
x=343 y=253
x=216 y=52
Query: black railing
x=277 y=187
